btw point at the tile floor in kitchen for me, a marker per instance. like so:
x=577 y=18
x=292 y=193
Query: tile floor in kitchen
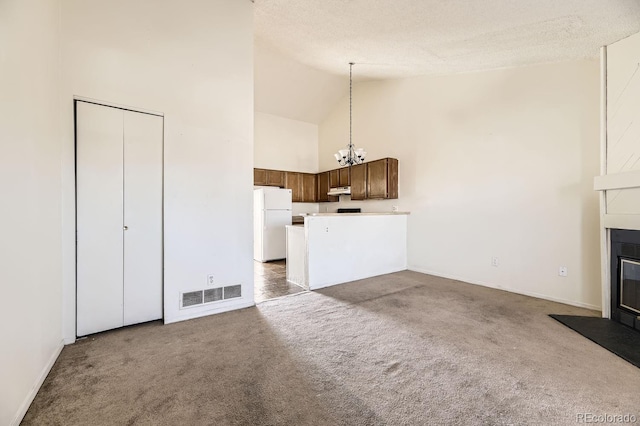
x=270 y=280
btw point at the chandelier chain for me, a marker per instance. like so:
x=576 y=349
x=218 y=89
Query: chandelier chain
x=350 y=156
x=350 y=104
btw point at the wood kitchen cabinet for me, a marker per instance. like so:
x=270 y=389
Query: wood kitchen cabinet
x=373 y=180
x=344 y=177
x=293 y=181
x=266 y=177
x=339 y=177
x=260 y=177
x=275 y=178
x=359 y=182
x=303 y=187
x=309 y=188
x=334 y=178
x=323 y=188
x=382 y=178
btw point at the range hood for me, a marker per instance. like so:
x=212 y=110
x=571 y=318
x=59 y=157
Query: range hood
x=340 y=190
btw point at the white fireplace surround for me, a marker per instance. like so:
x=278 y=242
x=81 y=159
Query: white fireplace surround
x=619 y=180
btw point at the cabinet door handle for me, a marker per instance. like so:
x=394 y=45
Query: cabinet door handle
x=125 y=227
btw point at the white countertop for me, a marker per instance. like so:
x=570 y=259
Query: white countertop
x=358 y=214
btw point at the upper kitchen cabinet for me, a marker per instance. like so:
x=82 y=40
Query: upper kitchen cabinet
x=339 y=177
x=275 y=178
x=359 y=182
x=309 y=188
x=382 y=179
x=343 y=179
x=323 y=188
x=303 y=186
x=334 y=178
x=293 y=181
x=260 y=177
x=265 y=177
x=373 y=180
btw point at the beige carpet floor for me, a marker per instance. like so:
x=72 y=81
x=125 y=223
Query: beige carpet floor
x=400 y=349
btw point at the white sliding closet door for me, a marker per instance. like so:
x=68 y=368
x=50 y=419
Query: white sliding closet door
x=142 y=217
x=119 y=217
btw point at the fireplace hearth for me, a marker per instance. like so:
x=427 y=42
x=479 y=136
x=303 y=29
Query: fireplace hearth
x=621 y=333
x=625 y=277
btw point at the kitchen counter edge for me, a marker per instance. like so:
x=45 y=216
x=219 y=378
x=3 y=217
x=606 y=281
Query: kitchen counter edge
x=358 y=214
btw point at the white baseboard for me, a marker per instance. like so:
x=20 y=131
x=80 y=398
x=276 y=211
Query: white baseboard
x=375 y=274
x=511 y=290
x=36 y=387
x=216 y=310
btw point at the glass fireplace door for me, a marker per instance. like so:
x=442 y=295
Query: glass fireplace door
x=630 y=285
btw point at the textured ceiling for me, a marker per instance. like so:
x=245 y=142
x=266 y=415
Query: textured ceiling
x=400 y=38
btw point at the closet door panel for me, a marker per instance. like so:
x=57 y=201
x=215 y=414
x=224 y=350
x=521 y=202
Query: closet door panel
x=99 y=175
x=143 y=136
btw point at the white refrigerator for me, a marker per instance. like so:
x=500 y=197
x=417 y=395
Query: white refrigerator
x=271 y=213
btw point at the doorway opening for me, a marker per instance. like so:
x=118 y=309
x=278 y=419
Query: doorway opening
x=270 y=281
x=272 y=215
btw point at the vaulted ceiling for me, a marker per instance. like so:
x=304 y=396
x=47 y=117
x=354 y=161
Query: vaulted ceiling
x=401 y=38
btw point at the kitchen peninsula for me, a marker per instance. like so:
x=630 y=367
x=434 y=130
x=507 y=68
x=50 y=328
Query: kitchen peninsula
x=334 y=248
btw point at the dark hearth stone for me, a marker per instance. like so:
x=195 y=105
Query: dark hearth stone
x=615 y=337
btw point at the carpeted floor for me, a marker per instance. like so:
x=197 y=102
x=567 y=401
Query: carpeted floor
x=400 y=349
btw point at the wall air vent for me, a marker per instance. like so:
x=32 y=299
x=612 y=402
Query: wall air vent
x=209 y=295
x=232 y=291
x=212 y=295
x=191 y=298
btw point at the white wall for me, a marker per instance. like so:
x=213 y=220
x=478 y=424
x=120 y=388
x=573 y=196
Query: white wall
x=192 y=61
x=284 y=144
x=497 y=163
x=30 y=184
x=287 y=88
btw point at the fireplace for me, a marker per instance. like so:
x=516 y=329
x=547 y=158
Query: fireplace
x=625 y=277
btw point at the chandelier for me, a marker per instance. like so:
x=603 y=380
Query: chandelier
x=351 y=155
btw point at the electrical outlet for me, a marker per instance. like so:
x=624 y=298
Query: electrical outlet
x=326 y=229
x=494 y=261
x=210 y=280
x=394 y=208
x=562 y=271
